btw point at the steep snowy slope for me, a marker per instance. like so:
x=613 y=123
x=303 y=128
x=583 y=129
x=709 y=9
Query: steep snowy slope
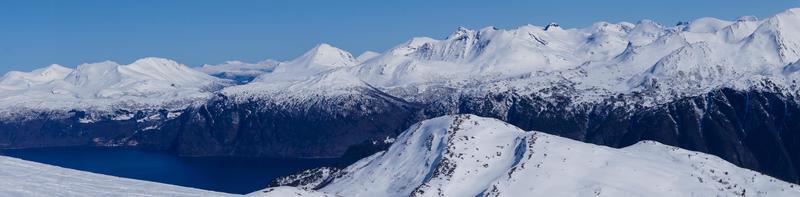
x=145 y=82
x=25 y=178
x=467 y=155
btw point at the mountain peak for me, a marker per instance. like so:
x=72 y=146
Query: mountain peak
x=794 y=11
x=326 y=55
x=156 y=61
x=57 y=67
x=779 y=32
x=747 y=19
x=460 y=33
x=787 y=16
x=54 y=69
x=38 y=76
x=367 y=55
x=552 y=26
x=468 y=155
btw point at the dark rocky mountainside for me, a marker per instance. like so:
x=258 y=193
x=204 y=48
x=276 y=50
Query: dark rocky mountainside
x=755 y=130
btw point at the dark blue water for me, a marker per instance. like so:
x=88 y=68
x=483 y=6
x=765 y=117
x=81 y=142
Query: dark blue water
x=224 y=174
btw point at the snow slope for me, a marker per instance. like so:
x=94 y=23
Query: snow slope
x=311 y=75
x=467 y=155
x=24 y=178
x=22 y=80
x=367 y=55
x=145 y=82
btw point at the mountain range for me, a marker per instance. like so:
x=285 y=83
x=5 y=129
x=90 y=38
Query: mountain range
x=727 y=88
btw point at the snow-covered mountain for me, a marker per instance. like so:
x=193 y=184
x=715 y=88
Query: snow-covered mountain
x=367 y=55
x=22 y=80
x=601 y=61
x=605 y=60
x=106 y=85
x=598 y=62
x=728 y=88
x=24 y=178
x=467 y=155
x=313 y=74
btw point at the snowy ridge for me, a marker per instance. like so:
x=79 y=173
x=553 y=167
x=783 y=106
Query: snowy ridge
x=105 y=85
x=652 y=62
x=24 y=178
x=22 y=80
x=658 y=63
x=312 y=75
x=467 y=155
x=367 y=55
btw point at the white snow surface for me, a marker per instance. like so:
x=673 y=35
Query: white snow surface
x=145 y=82
x=24 y=178
x=310 y=75
x=467 y=155
x=289 y=192
x=595 y=62
x=367 y=55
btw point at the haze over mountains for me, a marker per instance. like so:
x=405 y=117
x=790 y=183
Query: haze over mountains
x=727 y=88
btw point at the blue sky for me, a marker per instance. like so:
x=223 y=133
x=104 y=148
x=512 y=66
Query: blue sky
x=36 y=33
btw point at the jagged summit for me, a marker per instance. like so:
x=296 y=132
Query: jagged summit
x=747 y=19
x=461 y=33
x=552 y=26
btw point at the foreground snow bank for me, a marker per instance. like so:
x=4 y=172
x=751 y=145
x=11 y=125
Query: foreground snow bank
x=24 y=178
x=467 y=155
